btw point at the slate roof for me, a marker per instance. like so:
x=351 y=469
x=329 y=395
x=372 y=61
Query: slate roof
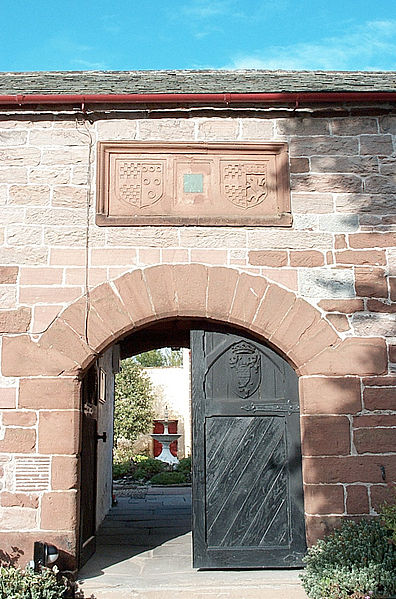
x=195 y=81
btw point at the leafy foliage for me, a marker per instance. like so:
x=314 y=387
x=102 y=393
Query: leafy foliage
x=146 y=468
x=20 y=584
x=388 y=519
x=169 y=478
x=184 y=465
x=134 y=397
x=160 y=358
x=358 y=560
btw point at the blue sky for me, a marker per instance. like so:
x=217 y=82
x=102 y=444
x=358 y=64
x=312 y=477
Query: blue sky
x=177 y=34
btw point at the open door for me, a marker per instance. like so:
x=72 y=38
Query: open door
x=247 y=483
x=89 y=398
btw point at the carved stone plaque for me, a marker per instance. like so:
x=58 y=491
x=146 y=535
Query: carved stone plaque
x=193 y=184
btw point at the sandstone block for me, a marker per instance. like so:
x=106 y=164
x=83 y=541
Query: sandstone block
x=380 y=306
x=330 y=395
x=218 y=129
x=174 y=255
x=347 y=469
x=7 y=397
x=299 y=165
x=43 y=316
x=352 y=356
x=41 y=276
x=326 y=183
x=67 y=342
x=375 y=440
x=8 y=274
x=315 y=339
x=260 y=129
x=19 y=500
x=376 y=144
x=366 y=203
x=19 y=156
x=67 y=155
x=392 y=287
x=339 y=223
x=325 y=282
x=372 y=421
x=248 y=295
x=392 y=353
x=191 y=282
x=221 y=289
x=150 y=256
x=18 y=440
x=18 y=518
x=13 y=138
x=58 y=432
x=212 y=237
x=324 y=499
x=29 y=195
x=325 y=435
x=379 y=398
x=110 y=308
x=59 y=511
x=287 y=240
x=167 y=129
x=55 y=175
x=47 y=295
x=362 y=258
x=380 y=184
x=20 y=419
x=56 y=216
x=209 y=256
x=134 y=294
x=273 y=309
x=68 y=196
x=370 y=282
x=357 y=501
x=65 y=473
x=302 y=126
x=380 y=494
x=339 y=322
x=372 y=240
x=17 y=235
x=360 y=165
x=268 y=258
x=49 y=393
x=58 y=137
x=22 y=357
x=344 y=306
x=161 y=285
x=354 y=125
x=115 y=129
x=67 y=257
x=306 y=259
x=315 y=203
x=107 y=256
x=13 y=174
x=308 y=146
x=15 y=321
x=84 y=319
x=7 y=296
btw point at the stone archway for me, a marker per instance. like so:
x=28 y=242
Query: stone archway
x=50 y=368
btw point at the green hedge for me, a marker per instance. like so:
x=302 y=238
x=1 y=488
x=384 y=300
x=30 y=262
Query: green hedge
x=169 y=478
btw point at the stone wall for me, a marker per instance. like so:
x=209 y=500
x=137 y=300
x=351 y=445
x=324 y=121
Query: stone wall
x=331 y=278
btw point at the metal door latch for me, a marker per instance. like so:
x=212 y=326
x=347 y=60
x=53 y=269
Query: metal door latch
x=102 y=437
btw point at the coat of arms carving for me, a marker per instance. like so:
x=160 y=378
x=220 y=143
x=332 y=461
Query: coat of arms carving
x=245 y=364
x=244 y=184
x=140 y=183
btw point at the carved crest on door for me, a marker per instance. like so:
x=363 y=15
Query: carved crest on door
x=244 y=361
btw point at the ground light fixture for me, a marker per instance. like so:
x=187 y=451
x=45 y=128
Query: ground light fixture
x=44 y=555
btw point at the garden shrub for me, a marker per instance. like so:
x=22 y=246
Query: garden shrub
x=27 y=584
x=356 y=561
x=169 y=478
x=146 y=468
x=184 y=465
x=121 y=469
x=388 y=519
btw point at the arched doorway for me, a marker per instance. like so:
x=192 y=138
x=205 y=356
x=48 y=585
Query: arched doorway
x=247 y=483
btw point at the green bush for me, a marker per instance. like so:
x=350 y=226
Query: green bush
x=146 y=468
x=20 y=584
x=121 y=469
x=169 y=478
x=184 y=465
x=357 y=560
x=388 y=519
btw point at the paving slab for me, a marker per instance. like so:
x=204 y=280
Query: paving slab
x=153 y=559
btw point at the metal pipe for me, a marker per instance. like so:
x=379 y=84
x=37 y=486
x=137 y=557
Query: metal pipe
x=196 y=98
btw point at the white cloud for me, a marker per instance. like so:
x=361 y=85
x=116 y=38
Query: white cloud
x=367 y=47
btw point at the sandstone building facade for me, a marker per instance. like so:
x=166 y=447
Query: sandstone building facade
x=320 y=289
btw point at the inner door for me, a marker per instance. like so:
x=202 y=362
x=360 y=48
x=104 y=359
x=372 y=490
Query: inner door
x=89 y=398
x=247 y=484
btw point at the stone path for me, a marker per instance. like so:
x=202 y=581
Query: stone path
x=144 y=552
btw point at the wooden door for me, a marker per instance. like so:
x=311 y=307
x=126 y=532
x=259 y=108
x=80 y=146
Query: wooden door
x=247 y=484
x=88 y=466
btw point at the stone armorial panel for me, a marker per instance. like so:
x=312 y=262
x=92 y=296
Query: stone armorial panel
x=193 y=184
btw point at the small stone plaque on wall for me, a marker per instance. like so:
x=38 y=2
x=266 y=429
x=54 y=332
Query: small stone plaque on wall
x=193 y=184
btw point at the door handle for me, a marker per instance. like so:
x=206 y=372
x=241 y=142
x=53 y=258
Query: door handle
x=102 y=437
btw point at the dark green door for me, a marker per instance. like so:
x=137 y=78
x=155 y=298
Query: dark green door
x=247 y=485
